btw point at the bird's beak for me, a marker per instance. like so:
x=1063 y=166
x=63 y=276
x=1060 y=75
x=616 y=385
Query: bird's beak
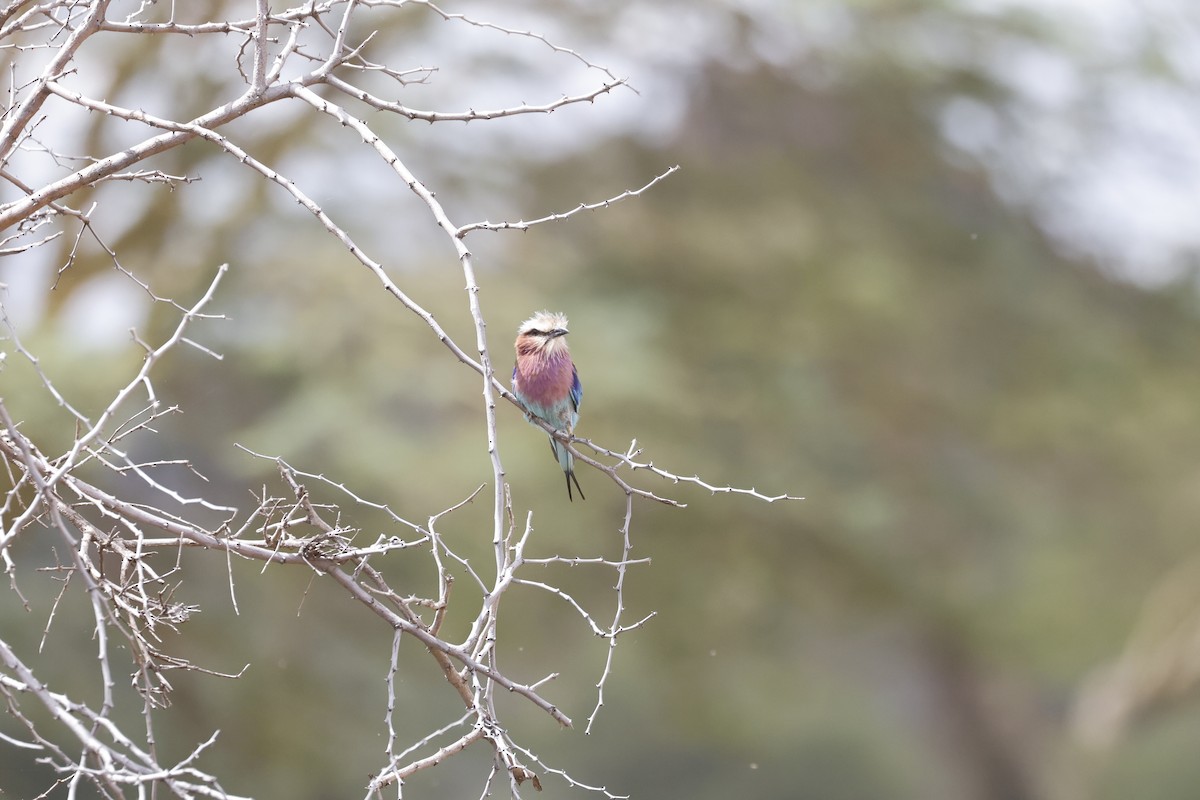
x=554 y=334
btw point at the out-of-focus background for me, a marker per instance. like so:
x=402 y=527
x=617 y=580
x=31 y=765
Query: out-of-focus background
x=930 y=264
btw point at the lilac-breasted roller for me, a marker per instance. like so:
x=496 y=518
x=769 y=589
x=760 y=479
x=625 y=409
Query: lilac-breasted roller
x=545 y=380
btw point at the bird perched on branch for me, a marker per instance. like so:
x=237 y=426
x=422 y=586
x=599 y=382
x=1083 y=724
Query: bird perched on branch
x=545 y=380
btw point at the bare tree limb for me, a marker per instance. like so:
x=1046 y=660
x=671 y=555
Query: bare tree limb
x=123 y=553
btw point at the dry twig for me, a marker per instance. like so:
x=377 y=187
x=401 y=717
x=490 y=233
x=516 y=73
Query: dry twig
x=124 y=555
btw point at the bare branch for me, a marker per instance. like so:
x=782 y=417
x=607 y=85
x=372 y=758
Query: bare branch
x=121 y=523
x=469 y=115
x=525 y=225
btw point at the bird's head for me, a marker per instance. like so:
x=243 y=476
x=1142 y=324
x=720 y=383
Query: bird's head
x=542 y=333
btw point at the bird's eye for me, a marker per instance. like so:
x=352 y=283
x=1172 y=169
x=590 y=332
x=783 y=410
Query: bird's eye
x=536 y=332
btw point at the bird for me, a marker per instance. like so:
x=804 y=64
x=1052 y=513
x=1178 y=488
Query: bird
x=544 y=379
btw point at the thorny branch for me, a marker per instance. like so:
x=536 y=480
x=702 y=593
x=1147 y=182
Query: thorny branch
x=125 y=554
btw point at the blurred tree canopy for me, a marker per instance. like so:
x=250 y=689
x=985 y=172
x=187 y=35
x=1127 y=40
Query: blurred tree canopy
x=995 y=428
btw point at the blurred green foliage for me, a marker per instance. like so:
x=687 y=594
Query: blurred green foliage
x=997 y=443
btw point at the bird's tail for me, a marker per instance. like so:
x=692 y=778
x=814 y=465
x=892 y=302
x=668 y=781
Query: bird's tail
x=567 y=462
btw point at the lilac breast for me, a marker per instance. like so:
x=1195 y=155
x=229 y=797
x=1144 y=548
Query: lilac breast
x=545 y=381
